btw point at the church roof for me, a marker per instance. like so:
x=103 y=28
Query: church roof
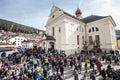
x=71 y=15
x=85 y=20
x=92 y=18
x=88 y=19
x=50 y=37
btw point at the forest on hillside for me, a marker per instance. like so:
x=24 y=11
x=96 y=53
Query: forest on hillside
x=15 y=27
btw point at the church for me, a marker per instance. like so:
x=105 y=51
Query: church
x=71 y=33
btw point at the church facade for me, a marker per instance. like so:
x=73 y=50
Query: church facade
x=73 y=32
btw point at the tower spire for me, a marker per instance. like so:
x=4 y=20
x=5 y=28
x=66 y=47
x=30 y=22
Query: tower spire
x=78 y=12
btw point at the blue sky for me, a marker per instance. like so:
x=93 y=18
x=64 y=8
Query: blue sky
x=35 y=13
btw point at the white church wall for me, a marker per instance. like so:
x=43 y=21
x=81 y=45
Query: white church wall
x=67 y=38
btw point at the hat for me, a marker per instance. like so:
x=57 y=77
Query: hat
x=37 y=70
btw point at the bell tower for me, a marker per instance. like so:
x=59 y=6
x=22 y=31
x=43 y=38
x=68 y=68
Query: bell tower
x=78 y=13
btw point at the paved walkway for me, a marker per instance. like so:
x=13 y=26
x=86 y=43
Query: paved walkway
x=68 y=74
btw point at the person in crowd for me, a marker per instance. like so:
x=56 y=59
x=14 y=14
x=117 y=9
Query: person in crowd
x=79 y=67
x=93 y=66
x=61 y=69
x=52 y=66
x=99 y=65
x=75 y=73
x=86 y=67
x=71 y=62
x=103 y=74
x=92 y=76
x=84 y=77
x=109 y=73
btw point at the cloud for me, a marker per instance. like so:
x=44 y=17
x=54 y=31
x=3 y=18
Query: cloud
x=107 y=7
x=27 y=12
x=35 y=12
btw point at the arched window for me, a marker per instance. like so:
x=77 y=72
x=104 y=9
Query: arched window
x=96 y=29
x=92 y=29
x=89 y=30
x=80 y=28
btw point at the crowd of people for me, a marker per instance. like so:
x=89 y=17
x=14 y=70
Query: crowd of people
x=35 y=64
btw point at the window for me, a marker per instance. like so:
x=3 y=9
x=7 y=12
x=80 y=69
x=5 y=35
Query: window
x=77 y=29
x=59 y=29
x=83 y=39
x=92 y=29
x=82 y=29
x=90 y=40
x=97 y=38
x=89 y=30
x=96 y=29
x=53 y=16
x=53 y=31
x=77 y=39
